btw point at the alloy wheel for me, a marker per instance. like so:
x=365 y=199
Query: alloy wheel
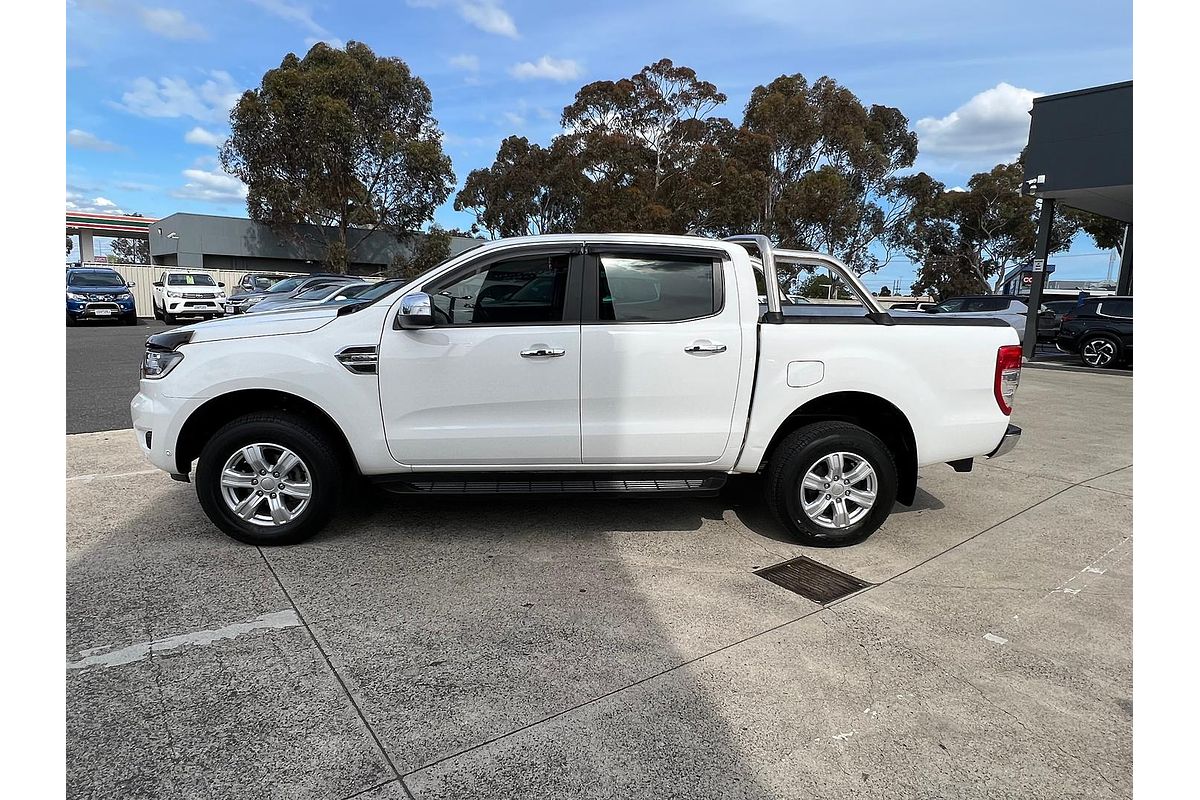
x=839 y=490
x=1099 y=352
x=266 y=484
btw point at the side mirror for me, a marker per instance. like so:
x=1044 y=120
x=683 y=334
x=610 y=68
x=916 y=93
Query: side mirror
x=416 y=312
x=131 y=284
x=158 y=284
x=221 y=284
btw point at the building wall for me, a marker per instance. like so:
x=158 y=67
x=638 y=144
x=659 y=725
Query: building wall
x=202 y=241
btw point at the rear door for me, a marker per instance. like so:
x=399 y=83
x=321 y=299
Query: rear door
x=661 y=355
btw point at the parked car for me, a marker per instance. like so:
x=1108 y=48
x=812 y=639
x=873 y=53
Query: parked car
x=348 y=294
x=907 y=305
x=243 y=302
x=257 y=282
x=179 y=293
x=997 y=306
x=598 y=363
x=1057 y=308
x=99 y=293
x=316 y=294
x=1100 y=331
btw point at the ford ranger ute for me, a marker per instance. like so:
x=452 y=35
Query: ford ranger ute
x=598 y=363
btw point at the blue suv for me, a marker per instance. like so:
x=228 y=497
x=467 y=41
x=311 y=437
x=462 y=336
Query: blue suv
x=98 y=293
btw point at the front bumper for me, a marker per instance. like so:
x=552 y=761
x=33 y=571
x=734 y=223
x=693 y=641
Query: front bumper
x=196 y=307
x=1011 y=437
x=100 y=309
x=156 y=422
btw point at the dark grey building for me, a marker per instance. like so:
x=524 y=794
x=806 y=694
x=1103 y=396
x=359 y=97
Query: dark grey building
x=1080 y=154
x=204 y=241
x=1082 y=144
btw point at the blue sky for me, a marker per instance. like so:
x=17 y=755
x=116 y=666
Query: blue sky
x=150 y=83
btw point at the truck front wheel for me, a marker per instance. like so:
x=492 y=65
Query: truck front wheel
x=268 y=478
x=831 y=483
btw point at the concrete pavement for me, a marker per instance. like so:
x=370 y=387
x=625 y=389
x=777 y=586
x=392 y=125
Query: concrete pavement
x=519 y=647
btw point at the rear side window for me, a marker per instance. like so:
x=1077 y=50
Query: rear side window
x=1117 y=308
x=655 y=288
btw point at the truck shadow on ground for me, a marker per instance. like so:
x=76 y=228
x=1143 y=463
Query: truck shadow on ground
x=454 y=623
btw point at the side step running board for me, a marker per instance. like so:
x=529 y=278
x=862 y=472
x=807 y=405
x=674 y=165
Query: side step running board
x=657 y=484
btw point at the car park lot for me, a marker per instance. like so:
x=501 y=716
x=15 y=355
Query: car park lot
x=540 y=647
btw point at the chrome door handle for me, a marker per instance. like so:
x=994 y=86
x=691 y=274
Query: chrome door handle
x=704 y=348
x=543 y=352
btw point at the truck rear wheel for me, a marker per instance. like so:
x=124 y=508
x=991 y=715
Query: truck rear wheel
x=268 y=478
x=831 y=483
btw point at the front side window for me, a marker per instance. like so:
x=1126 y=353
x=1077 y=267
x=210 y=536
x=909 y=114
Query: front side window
x=950 y=306
x=655 y=288
x=523 y=290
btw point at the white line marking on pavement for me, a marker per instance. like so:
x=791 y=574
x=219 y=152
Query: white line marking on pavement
x=93 y=476
x=135 y=652
x=991 y=637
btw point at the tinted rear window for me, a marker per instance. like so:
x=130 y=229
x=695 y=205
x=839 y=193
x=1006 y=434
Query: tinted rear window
x=1117 y=308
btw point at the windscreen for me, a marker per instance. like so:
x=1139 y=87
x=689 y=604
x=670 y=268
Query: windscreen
x=286 y=285
x=95 y=280
x=190 y=279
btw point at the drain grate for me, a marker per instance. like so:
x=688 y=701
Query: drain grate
x=812 y=579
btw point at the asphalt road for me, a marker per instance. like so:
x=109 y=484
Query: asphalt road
x=103 y=359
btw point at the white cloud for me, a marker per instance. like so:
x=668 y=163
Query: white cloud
x=489 y=17
x=555 y=69
x=486 y=15
x=298 y=13
x=465 y=62
x=88 y=141
x=198 y=135
x=514 y=119
x=79 y=202
x=992 y=126
x=332 y=41
x=211 y=101
x=213 y=186
x=171 y=24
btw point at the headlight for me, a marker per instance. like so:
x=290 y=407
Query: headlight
x=220 y=295
x=174 y=294
x=124 y=296
x=157 y=363
x=74 y=296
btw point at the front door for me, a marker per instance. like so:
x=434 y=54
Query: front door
x=496 y=381
x=662 y=352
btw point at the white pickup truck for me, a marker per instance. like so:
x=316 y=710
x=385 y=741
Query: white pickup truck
x=597 y=363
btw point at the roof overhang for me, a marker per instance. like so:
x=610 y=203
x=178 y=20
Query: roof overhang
x=1081 y=146
x=110 y=225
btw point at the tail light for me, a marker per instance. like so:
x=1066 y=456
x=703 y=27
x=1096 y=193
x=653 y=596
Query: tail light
x=1067 y=317
x=1008 y=375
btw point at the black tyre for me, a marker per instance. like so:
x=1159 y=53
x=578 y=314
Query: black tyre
x=71 y=321
x=168 y=318
x=157 y=313
x=269 y=478
x=1100 y=351
x=130 y=319
x=831 y=484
